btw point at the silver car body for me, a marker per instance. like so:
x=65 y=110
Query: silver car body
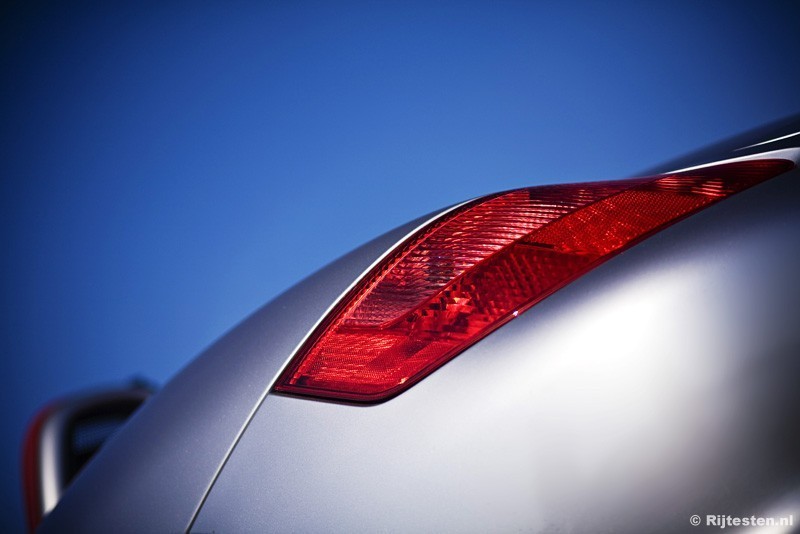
x=659 y=385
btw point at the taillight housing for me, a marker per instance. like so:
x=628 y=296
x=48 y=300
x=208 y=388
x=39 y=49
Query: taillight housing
x=470 y=271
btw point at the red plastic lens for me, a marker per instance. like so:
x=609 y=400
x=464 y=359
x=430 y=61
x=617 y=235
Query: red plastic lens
x=471 y=271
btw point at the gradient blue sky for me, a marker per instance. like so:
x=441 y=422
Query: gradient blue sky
x=168 y=169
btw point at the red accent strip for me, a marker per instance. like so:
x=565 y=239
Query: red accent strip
x=31 y=475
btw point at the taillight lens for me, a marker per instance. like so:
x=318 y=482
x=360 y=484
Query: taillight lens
x=479 y=266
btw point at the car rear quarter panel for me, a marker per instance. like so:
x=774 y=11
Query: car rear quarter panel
x=660 y=385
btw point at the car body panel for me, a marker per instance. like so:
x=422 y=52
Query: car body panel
x=167 y=456
x=640 y=394
x=213 y=451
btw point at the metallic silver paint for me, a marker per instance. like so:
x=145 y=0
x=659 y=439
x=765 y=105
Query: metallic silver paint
x=153 y=475
x=660 y=385
x=792 y=154
x=446 y=446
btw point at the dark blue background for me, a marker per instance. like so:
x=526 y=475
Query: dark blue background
x=168 y=169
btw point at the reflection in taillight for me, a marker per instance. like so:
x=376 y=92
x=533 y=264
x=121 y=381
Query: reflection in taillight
x=468 y=273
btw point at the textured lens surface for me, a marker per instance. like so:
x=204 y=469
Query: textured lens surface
x=470 y=272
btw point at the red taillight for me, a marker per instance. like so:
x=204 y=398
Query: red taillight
x=471 y=271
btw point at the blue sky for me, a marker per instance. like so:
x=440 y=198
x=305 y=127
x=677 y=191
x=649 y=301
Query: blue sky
x=168 y=169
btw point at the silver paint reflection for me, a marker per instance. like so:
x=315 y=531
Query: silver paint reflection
x=660 y=385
